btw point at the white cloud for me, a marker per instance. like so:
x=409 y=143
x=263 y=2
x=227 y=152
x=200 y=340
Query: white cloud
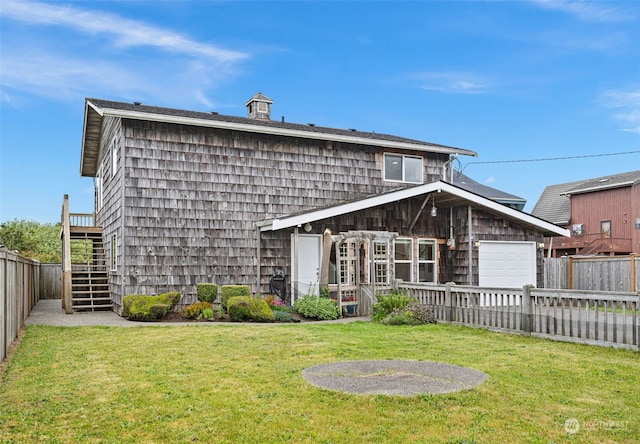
x=451 y=82
x=166 y=67
x=628 y=102
x=124 y=32
x=589 y=10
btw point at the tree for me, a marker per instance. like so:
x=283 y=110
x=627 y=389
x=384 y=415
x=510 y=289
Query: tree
x=32 y=239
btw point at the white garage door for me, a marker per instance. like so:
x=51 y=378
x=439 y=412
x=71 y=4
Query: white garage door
x=506 y=264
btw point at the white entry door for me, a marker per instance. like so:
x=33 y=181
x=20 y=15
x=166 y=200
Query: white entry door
x=307 y=266
x=506 y=264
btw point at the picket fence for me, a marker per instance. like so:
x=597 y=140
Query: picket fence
x=589 y=317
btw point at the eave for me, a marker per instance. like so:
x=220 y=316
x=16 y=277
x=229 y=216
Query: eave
x=94 y=116
x=448 y=196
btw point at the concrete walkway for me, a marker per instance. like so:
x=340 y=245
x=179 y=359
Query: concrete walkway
x=50 y=312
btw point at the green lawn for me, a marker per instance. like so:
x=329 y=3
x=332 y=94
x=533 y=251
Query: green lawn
x=243 y=384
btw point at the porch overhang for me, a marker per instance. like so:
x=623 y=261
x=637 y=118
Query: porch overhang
x=447 y=196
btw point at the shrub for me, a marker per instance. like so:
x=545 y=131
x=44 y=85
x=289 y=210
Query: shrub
x=230 y=291
x=317 y=308
x=420 y=312
x=412 y=314
x=194 y=311
x=281 y=315
x=207 y=292
x=207 y=313
x=138 y=307
x=388 y=303
x=246 y=308
x=400 y=319
x=273 y=301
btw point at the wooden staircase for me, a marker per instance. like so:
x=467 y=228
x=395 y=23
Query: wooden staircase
x=89 y=270
x=85 y=272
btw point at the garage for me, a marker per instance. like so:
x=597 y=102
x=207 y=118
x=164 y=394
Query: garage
x=506 y=264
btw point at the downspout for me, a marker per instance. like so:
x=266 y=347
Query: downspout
x=444 y=175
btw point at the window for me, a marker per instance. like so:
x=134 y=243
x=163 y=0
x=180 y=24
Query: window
x=263 y=107
x=98 y=185
x=403 y=256
x=114 y=252
x=114 y=158
x=380 y=262
x=577 y=229
x=426 y=260
x=401 y=168
x=605 y=229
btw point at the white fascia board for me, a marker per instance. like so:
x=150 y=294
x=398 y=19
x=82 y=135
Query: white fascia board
x=599 y=188
x=507 y=211
x=312 y=216
x=138 y=115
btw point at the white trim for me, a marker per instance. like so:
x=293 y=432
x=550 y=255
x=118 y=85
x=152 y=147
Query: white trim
x=140 y=115
x=406 y=193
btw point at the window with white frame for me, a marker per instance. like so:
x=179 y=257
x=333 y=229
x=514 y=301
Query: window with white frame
x=114 y=158
x=380 y=262
x=98 y=185
x=114 y=252
x=401 y=168
x=427 y=260
x=347 y=268
x=403 y=259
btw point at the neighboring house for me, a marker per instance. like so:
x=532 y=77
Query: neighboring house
x=184 y=197
x=603 y=215
x=467 y=183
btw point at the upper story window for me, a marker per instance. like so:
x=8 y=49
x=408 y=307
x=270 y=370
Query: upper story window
x=401 y=168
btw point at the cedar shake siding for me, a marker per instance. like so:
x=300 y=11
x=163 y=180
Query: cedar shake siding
x=191 y=198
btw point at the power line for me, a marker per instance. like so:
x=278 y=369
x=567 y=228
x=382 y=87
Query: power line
x=546 y=159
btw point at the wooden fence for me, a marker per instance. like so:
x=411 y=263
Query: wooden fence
x=598 y=273
x=19 y=293
x=588 y=317
x=50 y=281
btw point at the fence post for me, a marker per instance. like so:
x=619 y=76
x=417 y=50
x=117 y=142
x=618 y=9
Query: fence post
x=638 y=322
x=527 y=315
x=448 y=302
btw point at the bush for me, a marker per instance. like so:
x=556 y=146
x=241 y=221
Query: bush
x=246 y=308
x=273 y=301
x=281 y=315
x=411 y=314
x=207 y=313
x=138 y=307
x=207 y=292
x=399 y=319
x=194 y=311
x=317 y=308
x=388 y=303
x=230 y=291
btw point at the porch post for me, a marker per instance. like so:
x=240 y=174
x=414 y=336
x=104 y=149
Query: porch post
x=258 y=260
x=294 y=284
x=470 y=245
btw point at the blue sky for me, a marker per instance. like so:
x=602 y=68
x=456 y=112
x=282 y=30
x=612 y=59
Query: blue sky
x=509 y=80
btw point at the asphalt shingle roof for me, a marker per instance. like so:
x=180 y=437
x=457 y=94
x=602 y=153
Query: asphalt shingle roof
x=554 y=204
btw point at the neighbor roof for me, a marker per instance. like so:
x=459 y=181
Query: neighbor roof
x=446 y=195
x=97 y=109
x=467 y=183
x=554 y=203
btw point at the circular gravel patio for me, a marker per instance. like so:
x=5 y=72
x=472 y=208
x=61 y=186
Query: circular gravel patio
x=396 y=378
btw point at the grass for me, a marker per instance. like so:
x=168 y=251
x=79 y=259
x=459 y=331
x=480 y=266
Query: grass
x=243 y=384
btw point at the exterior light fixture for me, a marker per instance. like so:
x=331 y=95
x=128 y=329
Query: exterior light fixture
x=307 y=227
x=434 y=210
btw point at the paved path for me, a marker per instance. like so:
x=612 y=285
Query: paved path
x=50 y=312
